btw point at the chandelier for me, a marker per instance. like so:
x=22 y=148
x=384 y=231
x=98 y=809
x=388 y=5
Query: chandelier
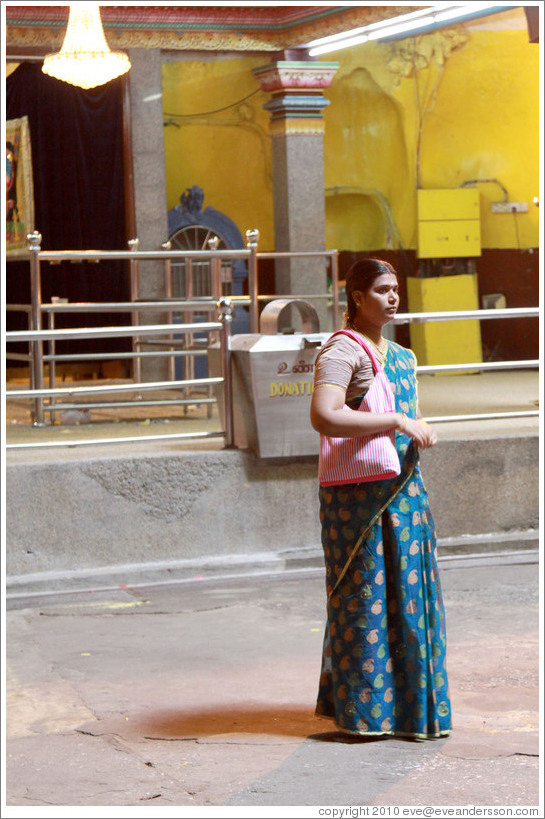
x=85 y=58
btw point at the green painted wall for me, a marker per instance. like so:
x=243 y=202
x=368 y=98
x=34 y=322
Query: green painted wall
x=433 y=111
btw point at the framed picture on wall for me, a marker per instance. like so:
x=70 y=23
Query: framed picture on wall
x=19 y=187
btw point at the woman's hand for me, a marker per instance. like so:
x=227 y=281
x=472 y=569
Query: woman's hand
x=421 y=432
x=330 y=416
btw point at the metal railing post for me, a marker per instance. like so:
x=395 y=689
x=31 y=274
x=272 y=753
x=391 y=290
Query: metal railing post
x=188 y=363
x=216 y=292
x=225 y=310
x=335 y=288
x=135 y=317
x=252 y=240
x=29 y=353
x=168 y=294
x=52 y=362
x=34 y=242
x=215 y=276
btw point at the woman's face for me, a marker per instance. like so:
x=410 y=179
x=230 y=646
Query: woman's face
x=378 y=305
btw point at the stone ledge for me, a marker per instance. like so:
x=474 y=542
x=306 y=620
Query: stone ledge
x=498 y=549
x=92 y=514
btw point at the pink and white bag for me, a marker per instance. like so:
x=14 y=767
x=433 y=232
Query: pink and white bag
x=366 y=458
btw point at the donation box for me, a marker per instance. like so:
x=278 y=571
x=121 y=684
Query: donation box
x=273 y=379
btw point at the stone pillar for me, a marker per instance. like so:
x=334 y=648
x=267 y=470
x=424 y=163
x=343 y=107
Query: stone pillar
x=297 y=128
x=150 y=202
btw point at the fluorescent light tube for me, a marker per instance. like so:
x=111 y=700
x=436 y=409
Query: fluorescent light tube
x=391 y=31
x=353 y=32
x=458 y=12
x=351 y=41
x=404 y=23
x=332 y=38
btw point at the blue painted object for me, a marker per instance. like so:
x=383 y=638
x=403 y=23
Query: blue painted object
x=190 y=213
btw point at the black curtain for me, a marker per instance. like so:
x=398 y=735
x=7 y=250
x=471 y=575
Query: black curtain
x=77 y=161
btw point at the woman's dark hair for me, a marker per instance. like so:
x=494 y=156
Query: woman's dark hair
x=360 y=277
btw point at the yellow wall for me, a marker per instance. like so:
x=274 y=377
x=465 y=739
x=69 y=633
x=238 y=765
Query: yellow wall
x=472 y=105
x=226 y=153
x=495 y=134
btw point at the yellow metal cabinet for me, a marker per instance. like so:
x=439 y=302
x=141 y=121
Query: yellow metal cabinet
x=445 y=342
x=448 y=223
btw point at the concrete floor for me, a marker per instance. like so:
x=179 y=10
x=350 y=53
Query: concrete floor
x=179 y=697
x=200 y=694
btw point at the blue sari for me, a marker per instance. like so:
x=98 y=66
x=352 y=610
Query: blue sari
x=383 y=663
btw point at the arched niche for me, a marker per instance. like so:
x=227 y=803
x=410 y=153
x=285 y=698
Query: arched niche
x=189 y=228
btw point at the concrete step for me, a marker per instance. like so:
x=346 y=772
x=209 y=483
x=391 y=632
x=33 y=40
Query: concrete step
x=490 y=549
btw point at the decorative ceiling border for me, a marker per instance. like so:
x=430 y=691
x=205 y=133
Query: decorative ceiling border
x=258 y=28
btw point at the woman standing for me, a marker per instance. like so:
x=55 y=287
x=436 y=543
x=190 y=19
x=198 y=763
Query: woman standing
x=383 y=664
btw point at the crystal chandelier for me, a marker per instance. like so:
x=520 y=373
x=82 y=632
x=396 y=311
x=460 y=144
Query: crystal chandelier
x=85 y=58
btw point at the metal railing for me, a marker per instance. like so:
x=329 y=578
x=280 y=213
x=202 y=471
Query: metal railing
x=167 y=335
x=478 y=366
x=174 y=342
x=161 y=337
x=37 y=393
x=464 y=315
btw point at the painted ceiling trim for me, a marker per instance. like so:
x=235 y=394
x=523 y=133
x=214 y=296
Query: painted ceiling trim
x=237 y=28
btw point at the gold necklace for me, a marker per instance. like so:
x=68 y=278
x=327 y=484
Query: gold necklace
x=380 y=349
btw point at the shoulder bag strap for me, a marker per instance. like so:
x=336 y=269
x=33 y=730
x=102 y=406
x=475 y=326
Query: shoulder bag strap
x=374 y=362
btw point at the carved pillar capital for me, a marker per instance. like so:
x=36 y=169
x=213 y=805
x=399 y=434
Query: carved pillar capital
x=297 y=100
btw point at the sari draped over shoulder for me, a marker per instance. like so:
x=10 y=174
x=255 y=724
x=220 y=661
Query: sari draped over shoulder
x=383 y=663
